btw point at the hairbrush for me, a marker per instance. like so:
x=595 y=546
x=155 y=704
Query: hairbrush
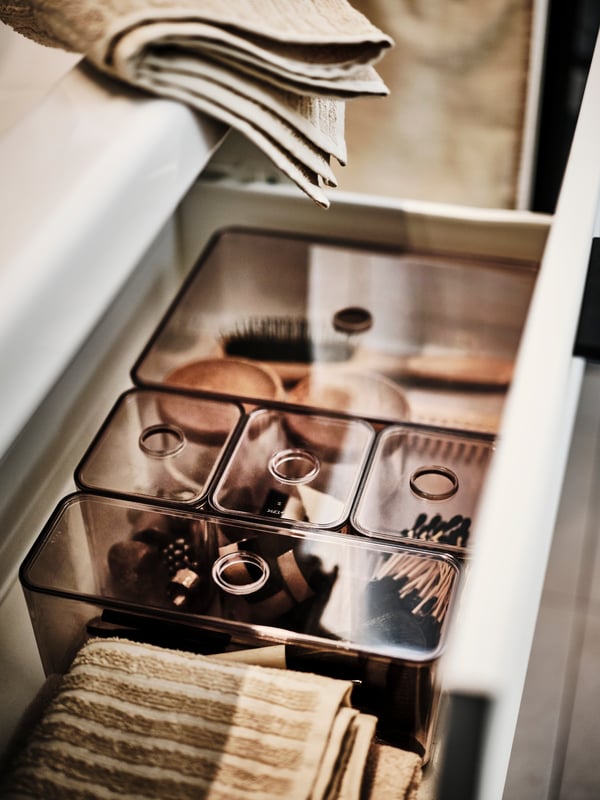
x=286 y=339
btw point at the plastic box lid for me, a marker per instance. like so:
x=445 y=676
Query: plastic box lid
x=159 y=445
x=294 y=468
x=323 y=589
x=422 y=487
x=384 y=335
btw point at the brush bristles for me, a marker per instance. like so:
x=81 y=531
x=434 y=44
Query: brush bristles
x=432 y=581
x=290 y=339
x=463 y=450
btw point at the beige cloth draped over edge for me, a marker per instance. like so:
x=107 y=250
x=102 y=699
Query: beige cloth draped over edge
x=278 y=71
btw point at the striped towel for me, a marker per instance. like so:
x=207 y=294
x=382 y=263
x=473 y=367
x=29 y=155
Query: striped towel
x=131 y=720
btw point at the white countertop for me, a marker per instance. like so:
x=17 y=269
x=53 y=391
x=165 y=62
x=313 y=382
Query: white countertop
x=88 y=154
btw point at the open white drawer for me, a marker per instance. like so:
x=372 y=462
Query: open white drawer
x=89 y=275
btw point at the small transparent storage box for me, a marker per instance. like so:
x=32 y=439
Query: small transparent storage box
x=422 y=487
x=159 y=445
x=390 y=336
x=368 y=611
x=293 y=467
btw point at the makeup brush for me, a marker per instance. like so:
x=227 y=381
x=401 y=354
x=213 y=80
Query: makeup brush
x=408 y=598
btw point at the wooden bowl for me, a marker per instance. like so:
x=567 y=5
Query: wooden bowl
x=227 y=376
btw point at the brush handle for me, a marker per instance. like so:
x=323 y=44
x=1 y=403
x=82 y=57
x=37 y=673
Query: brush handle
x=464 y=369
x=469 y=370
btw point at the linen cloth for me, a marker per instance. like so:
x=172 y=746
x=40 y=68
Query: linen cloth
x=278 y=71
x=131 y=720
x=457 y=126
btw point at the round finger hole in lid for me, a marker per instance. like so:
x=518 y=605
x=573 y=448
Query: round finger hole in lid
x=160 y=441
x=352 y=319
x=433 y=482
x=240 y=572
x=294 y=466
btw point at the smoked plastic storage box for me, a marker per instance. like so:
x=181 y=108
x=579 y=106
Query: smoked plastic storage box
x=382 y=334
x=298 y=468
x=261 y=395
x=422 y=487
x=160 y=446
x=376 y=613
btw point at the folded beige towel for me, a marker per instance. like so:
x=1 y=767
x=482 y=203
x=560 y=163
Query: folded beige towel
x=279 y=72
x=391 y=774
x=133 y=720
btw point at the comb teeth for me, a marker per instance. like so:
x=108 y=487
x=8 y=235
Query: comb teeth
x=447 y=448
x=294 y=339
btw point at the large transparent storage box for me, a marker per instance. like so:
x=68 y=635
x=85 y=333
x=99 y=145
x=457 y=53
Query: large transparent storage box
x=375 y=613
x=382 y=334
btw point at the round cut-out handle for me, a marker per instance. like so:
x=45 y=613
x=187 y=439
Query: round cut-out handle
x=161 y=441
x=294 y=466
x=240 y=572
x=433 y=482
x=353 y=319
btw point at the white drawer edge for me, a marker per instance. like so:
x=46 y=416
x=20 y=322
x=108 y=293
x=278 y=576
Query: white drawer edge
x=88 y=179
x=489 y=648
x=211 y=205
